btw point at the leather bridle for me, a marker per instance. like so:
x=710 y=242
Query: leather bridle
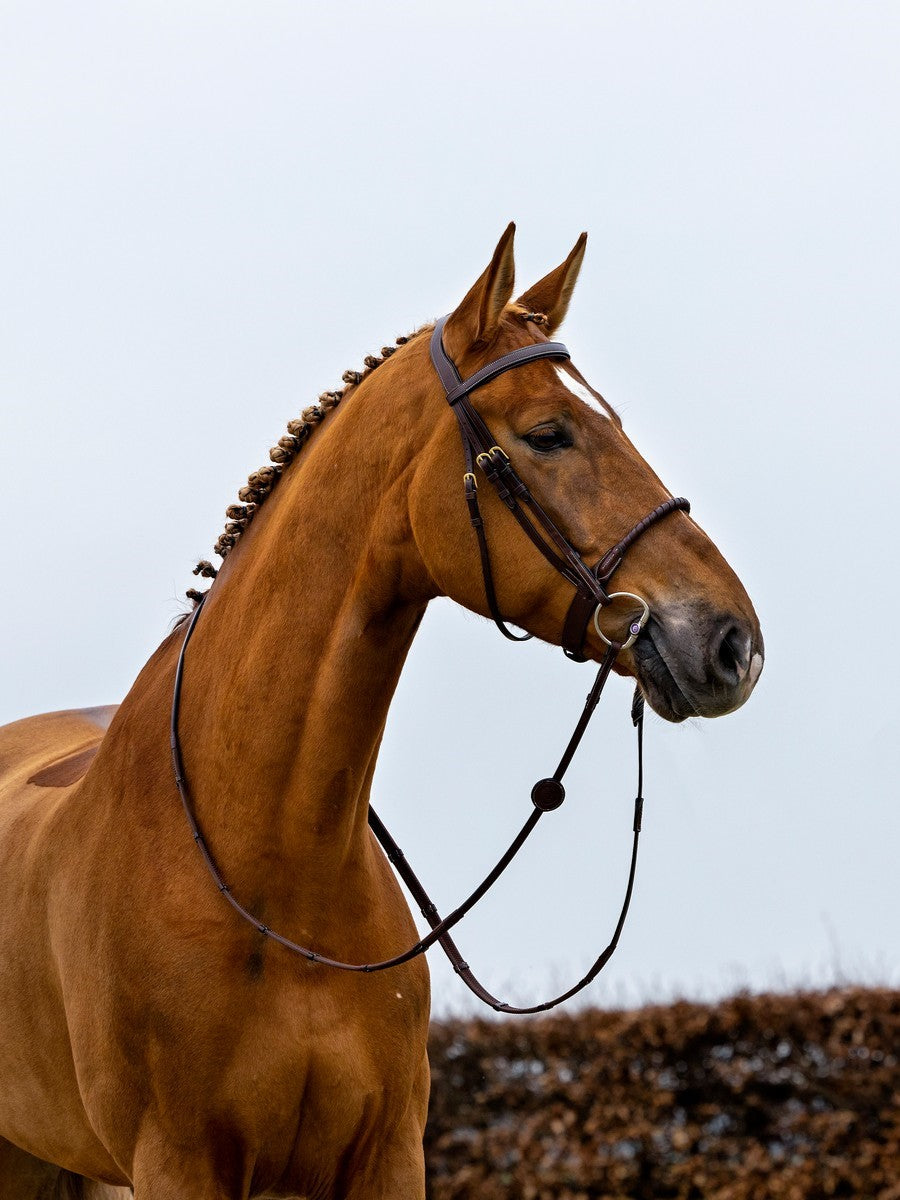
x=591 y=596
x=479 y=446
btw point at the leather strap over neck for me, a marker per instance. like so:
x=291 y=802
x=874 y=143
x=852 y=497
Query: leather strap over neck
x=547 y=794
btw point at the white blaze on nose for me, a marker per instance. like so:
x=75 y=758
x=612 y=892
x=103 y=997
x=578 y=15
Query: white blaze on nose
x=584 y=394
x=756 y=663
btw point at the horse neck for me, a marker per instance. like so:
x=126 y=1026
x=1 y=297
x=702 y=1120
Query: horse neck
x=298 y=651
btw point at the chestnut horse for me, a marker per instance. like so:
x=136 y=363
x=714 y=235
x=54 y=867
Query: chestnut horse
x=149 y=1038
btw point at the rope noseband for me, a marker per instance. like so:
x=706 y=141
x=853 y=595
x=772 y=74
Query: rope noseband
x=481 y=450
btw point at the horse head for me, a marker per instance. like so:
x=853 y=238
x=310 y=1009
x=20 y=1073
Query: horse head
x=701 y=651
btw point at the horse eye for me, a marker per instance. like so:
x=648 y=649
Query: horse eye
x=548 y=437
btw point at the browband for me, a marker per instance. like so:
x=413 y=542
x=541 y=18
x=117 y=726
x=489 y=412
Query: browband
x=456 y=388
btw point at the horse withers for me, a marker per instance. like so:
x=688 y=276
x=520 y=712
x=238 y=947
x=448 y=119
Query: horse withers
x=151 y=1039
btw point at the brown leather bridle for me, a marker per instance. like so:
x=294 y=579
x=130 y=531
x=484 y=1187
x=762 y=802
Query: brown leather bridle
x=480 y=449
x=479 y=446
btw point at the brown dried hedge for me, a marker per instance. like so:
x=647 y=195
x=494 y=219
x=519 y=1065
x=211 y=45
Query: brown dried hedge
x=789 y=1097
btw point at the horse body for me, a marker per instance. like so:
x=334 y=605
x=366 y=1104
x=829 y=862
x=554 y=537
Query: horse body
x=149 y=1037
x=158 y=1015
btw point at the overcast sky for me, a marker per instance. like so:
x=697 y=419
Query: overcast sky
x=210 y=210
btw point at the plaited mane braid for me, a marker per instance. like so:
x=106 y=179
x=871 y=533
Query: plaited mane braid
x=260 y=482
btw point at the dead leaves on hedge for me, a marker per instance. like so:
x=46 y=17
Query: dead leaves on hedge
x=784 y=1097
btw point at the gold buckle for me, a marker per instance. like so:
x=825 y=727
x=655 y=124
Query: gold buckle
x=489 y=454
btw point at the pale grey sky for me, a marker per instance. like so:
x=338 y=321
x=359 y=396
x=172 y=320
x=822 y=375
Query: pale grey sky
x=210 y=210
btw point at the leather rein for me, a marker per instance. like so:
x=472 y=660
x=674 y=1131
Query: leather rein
x=591 y=596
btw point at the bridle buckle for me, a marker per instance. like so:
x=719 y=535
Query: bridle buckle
x=488 y=457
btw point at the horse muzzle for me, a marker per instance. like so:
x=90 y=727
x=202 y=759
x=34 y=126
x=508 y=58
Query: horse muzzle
x=694 y=661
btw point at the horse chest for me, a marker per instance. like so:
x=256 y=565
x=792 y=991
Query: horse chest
x=292 y=1069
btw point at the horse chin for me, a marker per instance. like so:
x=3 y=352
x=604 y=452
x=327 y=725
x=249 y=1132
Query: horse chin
x=648 y=668
x=658 y=683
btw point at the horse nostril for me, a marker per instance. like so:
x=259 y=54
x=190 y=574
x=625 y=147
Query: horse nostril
x=731 y=653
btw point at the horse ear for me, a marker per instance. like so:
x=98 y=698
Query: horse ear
x=552 y=294
x=477 y=318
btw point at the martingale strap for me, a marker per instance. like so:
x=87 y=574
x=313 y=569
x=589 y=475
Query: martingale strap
x=547 y=794
x=480 y=449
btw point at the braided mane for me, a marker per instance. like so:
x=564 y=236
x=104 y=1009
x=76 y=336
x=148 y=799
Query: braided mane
x=260 y=482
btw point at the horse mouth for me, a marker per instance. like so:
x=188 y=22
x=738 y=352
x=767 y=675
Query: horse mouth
x=657 y=680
